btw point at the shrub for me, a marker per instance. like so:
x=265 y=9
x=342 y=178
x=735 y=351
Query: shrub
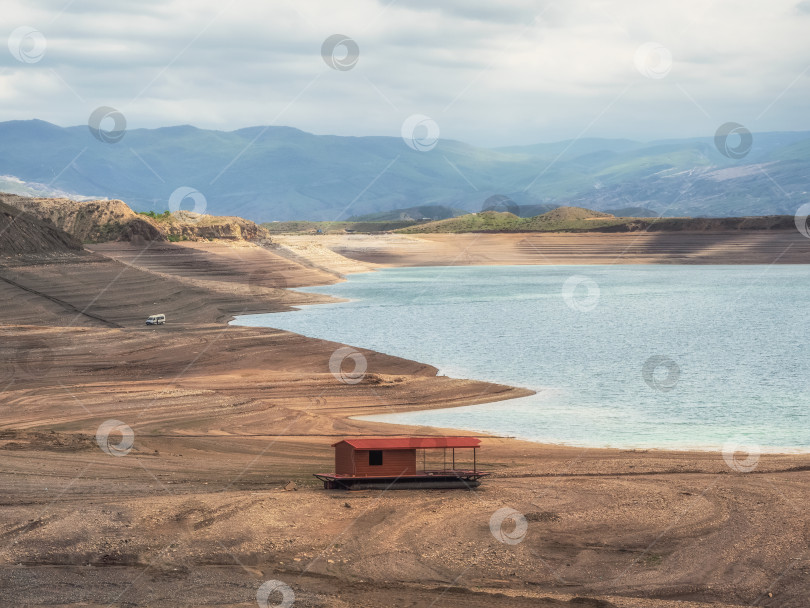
x=156 y=216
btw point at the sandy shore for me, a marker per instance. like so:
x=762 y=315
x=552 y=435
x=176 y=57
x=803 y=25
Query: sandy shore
x=224 y=417
x=738 y=247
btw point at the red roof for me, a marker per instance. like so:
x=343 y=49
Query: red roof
x=410 y=443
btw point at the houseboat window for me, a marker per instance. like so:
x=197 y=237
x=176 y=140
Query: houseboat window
x=375 y=458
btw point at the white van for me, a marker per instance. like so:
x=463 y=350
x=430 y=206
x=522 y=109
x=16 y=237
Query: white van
x=156 y=320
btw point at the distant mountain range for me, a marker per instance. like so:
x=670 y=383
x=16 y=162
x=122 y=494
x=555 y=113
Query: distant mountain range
x=281 y=173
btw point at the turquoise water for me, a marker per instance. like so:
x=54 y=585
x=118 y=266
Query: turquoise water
x=620 y=356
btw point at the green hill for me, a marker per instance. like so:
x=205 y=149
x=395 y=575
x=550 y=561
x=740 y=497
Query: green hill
x=486 y=221
x=560 y=219
x=577 y=219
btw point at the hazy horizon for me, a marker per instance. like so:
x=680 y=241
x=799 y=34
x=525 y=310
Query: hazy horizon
x=398 y=135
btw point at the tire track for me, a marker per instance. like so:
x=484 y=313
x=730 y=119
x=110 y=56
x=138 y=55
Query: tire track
x=66 y=305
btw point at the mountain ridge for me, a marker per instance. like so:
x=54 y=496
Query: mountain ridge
x=267 y=173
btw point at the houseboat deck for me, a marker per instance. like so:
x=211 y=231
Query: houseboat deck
x=440 y=479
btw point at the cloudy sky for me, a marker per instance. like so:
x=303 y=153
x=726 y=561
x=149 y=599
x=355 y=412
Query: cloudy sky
x=491 y=74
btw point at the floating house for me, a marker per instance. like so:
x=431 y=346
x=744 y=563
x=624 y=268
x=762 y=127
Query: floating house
x=401 y=463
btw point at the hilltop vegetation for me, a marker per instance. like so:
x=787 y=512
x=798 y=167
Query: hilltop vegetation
x=560 y=219
x=385 y=221
x=577 y=219
x=486 y=221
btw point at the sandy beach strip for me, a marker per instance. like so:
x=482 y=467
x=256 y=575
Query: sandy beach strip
x=733 y=247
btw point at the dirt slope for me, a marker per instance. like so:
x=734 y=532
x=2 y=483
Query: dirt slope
x=23 y=233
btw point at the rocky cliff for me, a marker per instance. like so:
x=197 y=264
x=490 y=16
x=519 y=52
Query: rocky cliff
x=91 y=221
x=112 y=220
x=191 y=226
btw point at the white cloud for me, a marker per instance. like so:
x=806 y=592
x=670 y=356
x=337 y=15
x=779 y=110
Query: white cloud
x=518 y=71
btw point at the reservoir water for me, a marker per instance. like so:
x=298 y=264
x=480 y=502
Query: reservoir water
x=620 y=356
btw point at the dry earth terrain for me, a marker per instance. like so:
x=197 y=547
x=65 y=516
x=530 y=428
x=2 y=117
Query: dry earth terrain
x=198 y=510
